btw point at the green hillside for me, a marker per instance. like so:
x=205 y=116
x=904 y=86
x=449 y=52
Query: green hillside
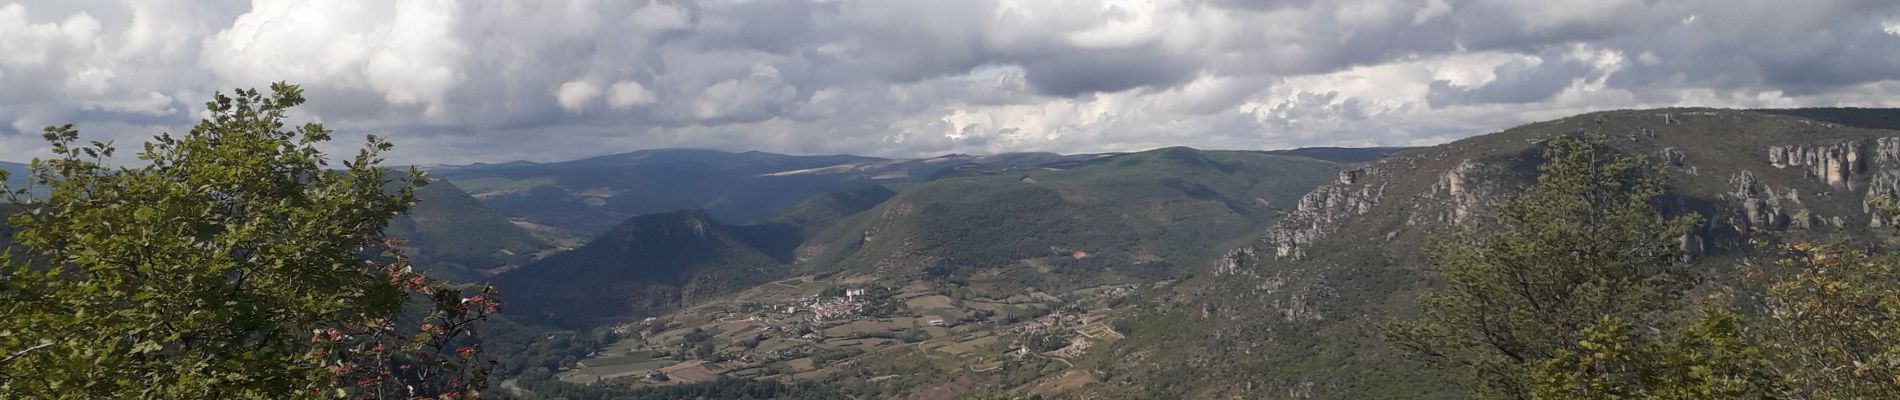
x=1294 y=312
x=1139 y=216
x=1346 y=155
x=646 y=265
x=452 y=236
x=933 y=282
x=792 y=227
x=1125 y=218
x=827 y=209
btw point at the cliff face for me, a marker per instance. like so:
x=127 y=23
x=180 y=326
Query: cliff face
x=1866 y=169
x=1350 y=255
x=1319 y=211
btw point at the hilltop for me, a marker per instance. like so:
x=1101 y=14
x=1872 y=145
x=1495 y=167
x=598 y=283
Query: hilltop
x=1181 y=273
x=585 y=197
x=1293 y=312
x=1130 y=217
x=452 y=236
x=958 y=265
x=643 y=266
x=1137 y=216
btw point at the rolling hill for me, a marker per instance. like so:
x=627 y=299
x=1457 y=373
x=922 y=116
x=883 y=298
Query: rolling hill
x=455 y=237
x=646 y=265
x=654 y=263
x=1123 y=218
x=1138 y=216
x=586 y=197
x=1292 y=314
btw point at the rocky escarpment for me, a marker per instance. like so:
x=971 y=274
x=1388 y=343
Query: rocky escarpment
x=1462 y=192
x=1678 y=159
x=1354 y=252
x=1318 y=213
x=1832 y=163
x=1869 y=166
x=1461 y=195
x=1458 y=197
x=1764 y=207
x=1883 y=184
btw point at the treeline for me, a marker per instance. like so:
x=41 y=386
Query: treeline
x=520 y=348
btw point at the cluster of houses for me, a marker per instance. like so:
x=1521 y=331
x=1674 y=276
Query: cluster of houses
x=1054 y=322
x=828 y=308
x=835 y=308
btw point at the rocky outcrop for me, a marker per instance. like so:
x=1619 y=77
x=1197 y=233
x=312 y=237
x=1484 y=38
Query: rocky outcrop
x=1761 y=207
x=1840 y=165
x=1693 y=245
x=1317 y=213
x=1883 y=183
x=1349 y=177
x=1676 y=158
x=1460 y=186
x=1321 y=211
x=1458 y=197
x=1836 y=164
x=1235 y=260
x=1882 y=190
x=1886 y=150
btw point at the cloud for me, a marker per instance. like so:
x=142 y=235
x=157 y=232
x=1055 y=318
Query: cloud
x=759 y=95
x=404 y=51
x=1523 y=80
x=629 y=94
x=556 y=79
x=576 y=96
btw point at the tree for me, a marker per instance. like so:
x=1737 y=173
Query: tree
x=1708 y=359
x=1584 y=242
x=1832 y=320
x=229 y=264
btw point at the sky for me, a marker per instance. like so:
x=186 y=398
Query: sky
x=488 y=81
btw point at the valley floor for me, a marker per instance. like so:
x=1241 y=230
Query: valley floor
x=922 y=334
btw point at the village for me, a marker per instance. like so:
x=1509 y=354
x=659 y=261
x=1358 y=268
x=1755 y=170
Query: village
x=805 y=329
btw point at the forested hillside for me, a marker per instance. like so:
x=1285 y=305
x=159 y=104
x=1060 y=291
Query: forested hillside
x=453 y=236
x=1296 y=311
x=1139 y=216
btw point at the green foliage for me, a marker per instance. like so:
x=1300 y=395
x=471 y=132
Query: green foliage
x=1833 y=321
x=15 y=176
x=519 y=348
x=228 y=265
x=1585 y=242
x=1710 y=359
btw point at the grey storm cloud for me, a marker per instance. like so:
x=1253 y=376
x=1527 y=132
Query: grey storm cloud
x=1517 y=81
x=457 y=81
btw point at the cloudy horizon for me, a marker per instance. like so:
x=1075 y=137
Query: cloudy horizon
x=460 y=82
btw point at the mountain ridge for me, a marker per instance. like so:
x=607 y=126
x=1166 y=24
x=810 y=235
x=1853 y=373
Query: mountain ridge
x=645 y=265
x=1351 y=255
